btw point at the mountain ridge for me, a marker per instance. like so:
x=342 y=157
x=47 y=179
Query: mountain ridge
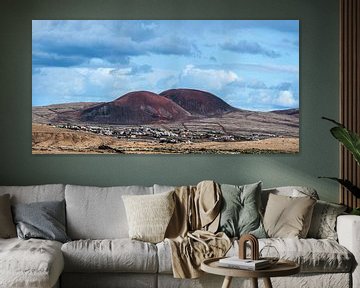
x=145 y=107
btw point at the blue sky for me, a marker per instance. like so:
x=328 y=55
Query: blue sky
x=250 y=64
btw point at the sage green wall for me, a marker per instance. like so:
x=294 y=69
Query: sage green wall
x=318 y=88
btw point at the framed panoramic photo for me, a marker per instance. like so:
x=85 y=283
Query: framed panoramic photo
x=165 y=86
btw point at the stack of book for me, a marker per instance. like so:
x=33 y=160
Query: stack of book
x=248 y=264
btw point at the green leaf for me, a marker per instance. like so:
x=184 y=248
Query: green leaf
x=333 y=121
x=355 y=211
x=348 y=138
x=347 y=184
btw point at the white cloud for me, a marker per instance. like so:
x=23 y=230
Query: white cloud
x=285 y=99
x=195 y=77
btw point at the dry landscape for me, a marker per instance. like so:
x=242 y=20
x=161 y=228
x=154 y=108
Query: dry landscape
x=166 y=126
x=51 y=140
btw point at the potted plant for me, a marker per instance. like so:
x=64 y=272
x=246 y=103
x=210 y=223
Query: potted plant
x=351 y=141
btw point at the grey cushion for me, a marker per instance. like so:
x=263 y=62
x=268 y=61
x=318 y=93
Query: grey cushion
x=323 y=222
x=240 y=213
x=98 y=213
x=117 y=255
x=44 y=220
x=31 y=263
x=7 y=227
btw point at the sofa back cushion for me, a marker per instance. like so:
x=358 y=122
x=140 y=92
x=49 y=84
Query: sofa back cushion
x=163 y=188
x=98 y=212
x=288 y=217
x=35 y=193
x=290 y=191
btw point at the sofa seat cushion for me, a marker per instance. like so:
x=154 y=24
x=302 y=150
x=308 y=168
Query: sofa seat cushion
x=313 y=255
x=115 y=255
x=30 y=263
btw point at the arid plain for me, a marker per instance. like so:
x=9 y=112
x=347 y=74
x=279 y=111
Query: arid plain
x=150 y=127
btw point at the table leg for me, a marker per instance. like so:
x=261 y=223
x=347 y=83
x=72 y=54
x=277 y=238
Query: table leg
x=254 y=282
x=227 y=282
x=267 y=283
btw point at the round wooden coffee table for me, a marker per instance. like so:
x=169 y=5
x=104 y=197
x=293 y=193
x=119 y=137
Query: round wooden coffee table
x=281 y=268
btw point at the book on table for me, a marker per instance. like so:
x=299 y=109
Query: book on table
x=236 y=262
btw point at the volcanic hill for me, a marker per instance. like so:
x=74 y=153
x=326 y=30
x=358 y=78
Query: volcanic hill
x=198 y=102
x=144 y=107
x=135 y=108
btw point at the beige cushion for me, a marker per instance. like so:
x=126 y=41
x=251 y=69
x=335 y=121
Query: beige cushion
x=110 y=255
x=7 y=226
x=287 y=217
x=292 y=191
x=149 y=215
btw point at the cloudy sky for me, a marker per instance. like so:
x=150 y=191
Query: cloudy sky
x=250 y=64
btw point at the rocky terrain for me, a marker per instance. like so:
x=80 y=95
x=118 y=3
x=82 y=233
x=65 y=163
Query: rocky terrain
x=174 y=121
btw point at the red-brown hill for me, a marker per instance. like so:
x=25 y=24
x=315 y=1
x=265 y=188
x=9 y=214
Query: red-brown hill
x=139 y=107
x=198 y=102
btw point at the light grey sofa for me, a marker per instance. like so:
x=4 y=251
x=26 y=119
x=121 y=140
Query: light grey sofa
x=101 y=254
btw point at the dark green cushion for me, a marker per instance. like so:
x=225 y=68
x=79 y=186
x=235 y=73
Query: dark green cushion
x=240 y=213
x=43 y=220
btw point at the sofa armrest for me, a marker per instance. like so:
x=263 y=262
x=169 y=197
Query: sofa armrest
x=348 y=230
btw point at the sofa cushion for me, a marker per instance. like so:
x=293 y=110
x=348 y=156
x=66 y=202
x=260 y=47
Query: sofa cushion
x=116 y=255
x=43 y=220
x=98 y=213
x=149 y=215
x=287 y=216
x=240 y=210
x=163 y=188
x=323 y=222
x=30 y=263
x=7 y=226
x=35 y=193
x=313 y=255
x=291 y=191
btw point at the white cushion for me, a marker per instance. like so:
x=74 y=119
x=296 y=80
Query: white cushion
x=98 y=213
x=117 y=255
x=149 y=215
x=30 y=263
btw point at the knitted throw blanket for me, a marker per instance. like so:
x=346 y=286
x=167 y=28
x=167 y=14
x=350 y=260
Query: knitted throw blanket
x=191 y=231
